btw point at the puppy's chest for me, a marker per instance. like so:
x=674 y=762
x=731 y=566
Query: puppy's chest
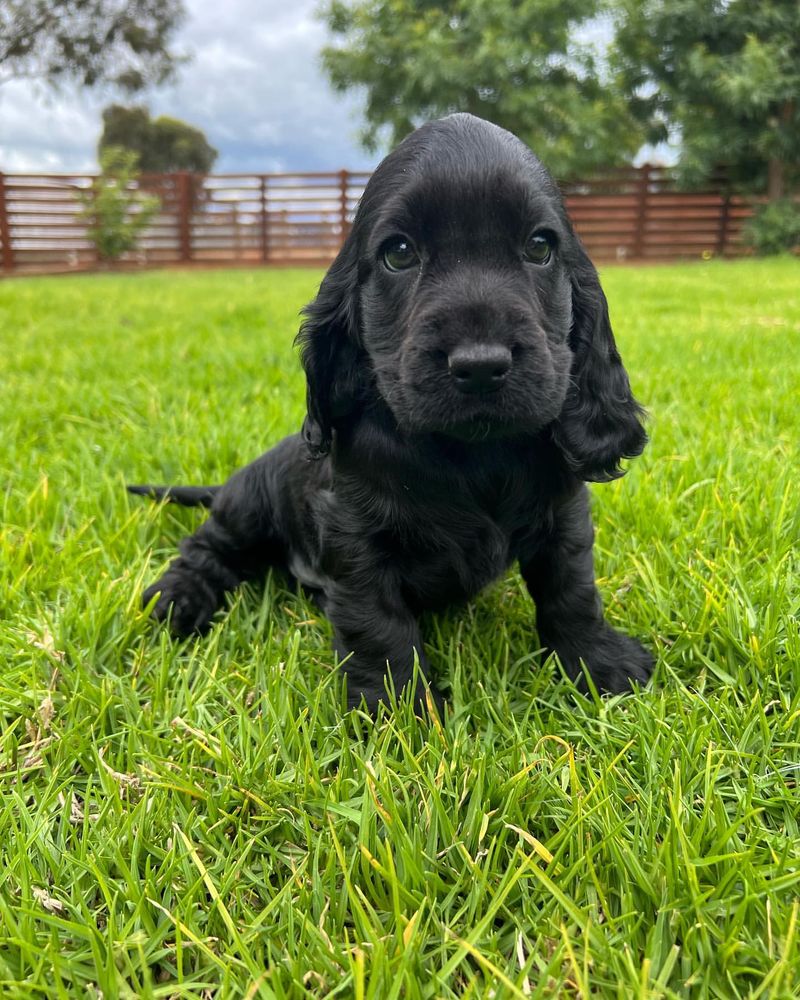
x=449 y=550
x=446 y=528
x=453 y=563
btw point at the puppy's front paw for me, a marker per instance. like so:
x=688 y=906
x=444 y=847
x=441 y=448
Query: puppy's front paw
x=616 y=662
x=620 y=663
x=373 y=697
x=184 y=599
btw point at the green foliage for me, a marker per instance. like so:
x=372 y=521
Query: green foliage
x=94 y=42
x=775 y=228
x=723 y=77
x=116 y=210
x=192 y=819
x=516 y=64
x=161 y=144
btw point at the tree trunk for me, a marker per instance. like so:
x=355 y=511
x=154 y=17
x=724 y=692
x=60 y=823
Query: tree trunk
x=776 y=168
x=775 y=179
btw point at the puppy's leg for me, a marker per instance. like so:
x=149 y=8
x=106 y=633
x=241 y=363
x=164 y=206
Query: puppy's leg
x=238 y=542
x=560 y=578
x=374 y=627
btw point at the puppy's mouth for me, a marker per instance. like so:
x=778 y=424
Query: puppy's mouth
x=487 y=420
x=480 y=429
x=510 y=411
x=483 y=426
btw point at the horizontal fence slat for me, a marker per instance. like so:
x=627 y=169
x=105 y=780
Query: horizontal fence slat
x=600 y=201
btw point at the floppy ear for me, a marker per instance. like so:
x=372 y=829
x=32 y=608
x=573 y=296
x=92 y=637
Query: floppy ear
x=601 y=422
x=329 y=351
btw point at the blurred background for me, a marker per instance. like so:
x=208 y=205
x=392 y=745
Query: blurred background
x=673 y=125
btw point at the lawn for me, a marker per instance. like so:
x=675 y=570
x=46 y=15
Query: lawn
x=201 y=819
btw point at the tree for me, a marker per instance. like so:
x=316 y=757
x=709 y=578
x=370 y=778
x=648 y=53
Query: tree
x=516 y=63
x=721 y=75
x=121 y=42
x=161 y=144
x=116 y=211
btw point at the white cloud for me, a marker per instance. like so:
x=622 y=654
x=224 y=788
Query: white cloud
x=253 y=85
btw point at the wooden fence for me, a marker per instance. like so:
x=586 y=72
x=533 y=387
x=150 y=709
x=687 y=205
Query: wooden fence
x=302 y=218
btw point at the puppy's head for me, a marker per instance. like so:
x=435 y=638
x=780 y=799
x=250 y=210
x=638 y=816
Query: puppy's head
x=464 y=299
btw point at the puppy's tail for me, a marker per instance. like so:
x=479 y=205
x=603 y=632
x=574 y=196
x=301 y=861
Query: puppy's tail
x=186 y=496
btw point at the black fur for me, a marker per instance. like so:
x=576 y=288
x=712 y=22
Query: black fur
x=402 y=492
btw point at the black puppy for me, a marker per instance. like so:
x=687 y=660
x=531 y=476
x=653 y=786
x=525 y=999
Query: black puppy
x=463 y=382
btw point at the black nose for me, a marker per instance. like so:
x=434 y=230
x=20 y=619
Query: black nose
x=479 y=367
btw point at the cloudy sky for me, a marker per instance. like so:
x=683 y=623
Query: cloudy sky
x=253 y=85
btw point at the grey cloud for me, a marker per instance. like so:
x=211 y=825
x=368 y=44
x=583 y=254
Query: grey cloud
x=253 y=85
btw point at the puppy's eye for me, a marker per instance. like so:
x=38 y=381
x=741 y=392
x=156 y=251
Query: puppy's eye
x=399 y=254
x=538 y=249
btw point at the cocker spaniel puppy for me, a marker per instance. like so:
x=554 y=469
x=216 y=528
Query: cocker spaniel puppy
x=462 y=384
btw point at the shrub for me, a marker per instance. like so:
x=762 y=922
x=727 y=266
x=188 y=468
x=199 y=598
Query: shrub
x=775 y=228
x=116 y=211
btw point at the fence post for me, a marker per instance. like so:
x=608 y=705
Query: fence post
x=184 y=194
x=641 y=210
x=5 y=229
x=724 y=215
x=344 y=181
x=264 y=228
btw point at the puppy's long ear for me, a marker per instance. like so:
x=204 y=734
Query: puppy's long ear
x=329 y=350
x=601 y=422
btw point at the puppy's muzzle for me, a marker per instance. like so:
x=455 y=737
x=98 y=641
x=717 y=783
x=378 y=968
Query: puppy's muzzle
x=479 y=368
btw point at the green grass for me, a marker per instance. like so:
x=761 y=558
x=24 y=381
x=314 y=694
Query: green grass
x=200 y=819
